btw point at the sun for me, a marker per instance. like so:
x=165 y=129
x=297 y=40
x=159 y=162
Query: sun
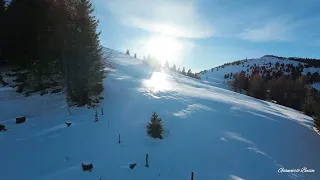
x=164 y=48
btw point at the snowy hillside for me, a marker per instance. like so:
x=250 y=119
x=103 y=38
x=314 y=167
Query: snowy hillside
x=266 y=62
x=209 y=130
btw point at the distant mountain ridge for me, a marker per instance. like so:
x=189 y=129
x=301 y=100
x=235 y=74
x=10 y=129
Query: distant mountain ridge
x=267 y=66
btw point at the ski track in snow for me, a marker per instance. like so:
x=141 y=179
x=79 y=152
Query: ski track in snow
x=208 y=129
x=234 y=177
x=191 y=109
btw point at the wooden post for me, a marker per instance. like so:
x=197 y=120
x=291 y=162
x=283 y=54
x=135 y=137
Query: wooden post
x=119 y=139
x=147 y=162
x=192 y=175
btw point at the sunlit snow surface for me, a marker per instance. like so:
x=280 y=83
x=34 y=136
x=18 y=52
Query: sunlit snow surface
x=209 y=130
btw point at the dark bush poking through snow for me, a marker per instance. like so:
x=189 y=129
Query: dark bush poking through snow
x=20 y=120
x=133 y=165
x=87 y=167
x=3 y=127
x=55 y=91
x=43 y=93
x=68 y=123
x=155 y=127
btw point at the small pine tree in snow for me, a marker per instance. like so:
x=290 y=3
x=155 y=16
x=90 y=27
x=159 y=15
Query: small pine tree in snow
x=128 y=52
x=155 y=127
x=174 y=68
x=189 y=73
x=166 y=66
x=183 y=71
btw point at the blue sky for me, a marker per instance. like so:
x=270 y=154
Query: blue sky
x=200 y=34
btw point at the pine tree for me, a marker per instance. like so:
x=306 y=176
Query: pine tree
x=166 y=66
x=2 y=33
x=26 y=43
x=153 y=62
x=183 y=71
x=128 y=52
x=49 y=54
x=19 y=47
x=193 y=75
x=66 y=46
x=87 y=75
x=174 y=68
x=155 y=127
x=308 y=100
x=2 y=7
x=45 y=67
x=189 y=72
x=135 y=55
x=255 y=86
x=235 y=83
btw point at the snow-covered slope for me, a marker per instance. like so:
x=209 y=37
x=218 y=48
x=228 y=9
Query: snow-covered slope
x=268 y=62
x=209 y=130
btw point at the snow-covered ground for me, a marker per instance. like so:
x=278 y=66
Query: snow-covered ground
x=209 y=130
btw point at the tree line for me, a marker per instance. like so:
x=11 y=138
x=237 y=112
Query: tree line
x=268 y=71
x=182 y=72
x=53 y=43
x=128 y=53
x=154 y=62
x=309 y=62
x=294 y=93
x=302 y=63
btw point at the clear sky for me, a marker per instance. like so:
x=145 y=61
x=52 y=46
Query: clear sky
x=201 y=34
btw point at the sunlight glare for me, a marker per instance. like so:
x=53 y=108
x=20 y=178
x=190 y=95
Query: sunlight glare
x=164 y=48
x=158 y=82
